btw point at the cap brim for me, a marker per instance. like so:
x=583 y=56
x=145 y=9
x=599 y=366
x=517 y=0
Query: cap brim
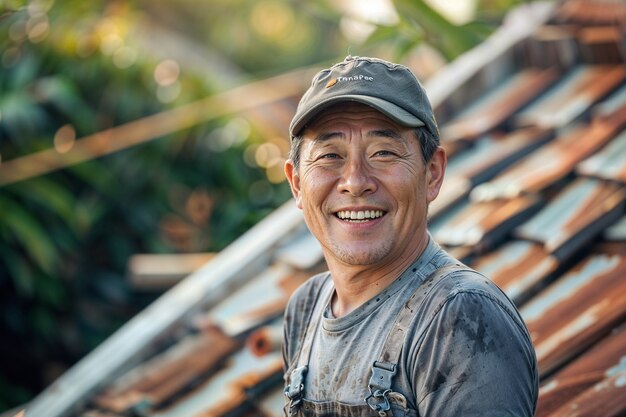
x=395 y=113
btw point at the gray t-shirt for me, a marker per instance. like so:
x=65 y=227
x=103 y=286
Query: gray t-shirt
x=467 y=352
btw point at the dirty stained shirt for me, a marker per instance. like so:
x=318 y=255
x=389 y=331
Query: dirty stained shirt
x=468 y=352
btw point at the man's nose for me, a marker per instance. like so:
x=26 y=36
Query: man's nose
x=356 y=178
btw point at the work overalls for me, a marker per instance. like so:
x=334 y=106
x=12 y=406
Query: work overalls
x=382 y=400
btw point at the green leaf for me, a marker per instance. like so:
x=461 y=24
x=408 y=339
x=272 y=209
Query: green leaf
x=382 y=34
x=451 y=39
x=50 y=291
x=50 y=196
x=20 y=272
x=30 y=234
x=62 y=94
x=42 y=321
x=21 y=116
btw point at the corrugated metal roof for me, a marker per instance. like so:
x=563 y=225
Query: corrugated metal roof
x=484 y=224
x=608 y=163
x=590 y=12
x=604 y=360
x=493 y=109
x=518 y=267
x=606 y=399
x=575 y=216
x=572 y=96
x=577 y=310
x=154 y=383
x=552 y=163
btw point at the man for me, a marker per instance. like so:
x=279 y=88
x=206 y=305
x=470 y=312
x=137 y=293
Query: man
x=397 y=326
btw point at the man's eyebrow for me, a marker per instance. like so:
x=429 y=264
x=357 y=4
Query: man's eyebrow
x=385 y=133
x=327 y=136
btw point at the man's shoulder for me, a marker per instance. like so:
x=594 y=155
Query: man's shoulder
x=305 y=296
x=461 y=284
x=453 y=277
x=464 y=279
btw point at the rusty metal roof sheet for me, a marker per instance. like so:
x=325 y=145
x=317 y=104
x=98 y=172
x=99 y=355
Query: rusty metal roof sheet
x=612 y=106
x=244 y=309
x=609 y=163
x=495 y=152
x=494 y=108
x=575 y=216
x=453 y=190
x=518 y=267
x=573 y=96
x=226 y=389
x=272 y=403
x=617 y=231
x=603 y=360
x=482 y=224
x=577 y=310
x=592 y=12
x=487 y=157
x=154 y=383
x=606 y=399
x=601 y=44
x=550 y=164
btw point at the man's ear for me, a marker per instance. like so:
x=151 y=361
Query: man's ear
x=435 y=169
x=291 y=173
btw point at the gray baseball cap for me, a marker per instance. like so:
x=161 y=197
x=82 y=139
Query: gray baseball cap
x=390 y=88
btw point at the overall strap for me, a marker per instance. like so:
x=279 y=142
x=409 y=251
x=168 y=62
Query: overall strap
x=385 y=368
x=295 y=390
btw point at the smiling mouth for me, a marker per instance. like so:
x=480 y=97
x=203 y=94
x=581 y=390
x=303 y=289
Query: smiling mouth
x=359 y=216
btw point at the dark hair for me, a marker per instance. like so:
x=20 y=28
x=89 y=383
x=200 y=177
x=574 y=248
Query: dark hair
x=428 y=143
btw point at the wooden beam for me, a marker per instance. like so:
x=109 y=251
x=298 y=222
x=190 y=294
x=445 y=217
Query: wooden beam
x=237 y=100
x=162 y=271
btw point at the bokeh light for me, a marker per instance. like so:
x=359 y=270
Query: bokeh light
x=273 y=20
x=124 y=57
x=266 y=154
x=37 y=28
x=17 y=31
x=275 y=171
x=65 y=138
x=234 y=133
x=166 y=72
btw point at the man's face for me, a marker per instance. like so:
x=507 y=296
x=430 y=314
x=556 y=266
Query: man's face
x=363 y=186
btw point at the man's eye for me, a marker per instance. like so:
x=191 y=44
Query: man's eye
x=329 y=156
x=383 y=153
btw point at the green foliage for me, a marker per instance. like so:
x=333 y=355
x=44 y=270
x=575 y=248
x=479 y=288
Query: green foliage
x=420 y=23
x=66 y=237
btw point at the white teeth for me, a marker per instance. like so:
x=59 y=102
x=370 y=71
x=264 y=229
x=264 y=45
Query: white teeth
x=359 y=215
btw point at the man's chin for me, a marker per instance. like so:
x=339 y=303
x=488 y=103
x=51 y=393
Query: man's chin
x=360 y=256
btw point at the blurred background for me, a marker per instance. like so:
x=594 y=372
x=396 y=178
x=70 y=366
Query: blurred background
x=122 y=132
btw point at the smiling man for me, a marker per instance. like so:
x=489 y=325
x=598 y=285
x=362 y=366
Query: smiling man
x=396 y=326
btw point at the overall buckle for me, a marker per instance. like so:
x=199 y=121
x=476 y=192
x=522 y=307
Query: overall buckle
x=295 y=389
x=380 y=387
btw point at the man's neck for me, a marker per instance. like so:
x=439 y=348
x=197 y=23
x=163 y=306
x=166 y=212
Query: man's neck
x=356 y=284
